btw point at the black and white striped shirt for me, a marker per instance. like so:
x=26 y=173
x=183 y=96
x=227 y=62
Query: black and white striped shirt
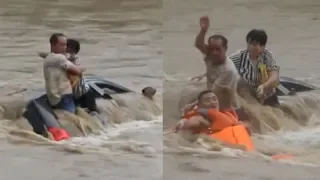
x=249 y=71
x=81 y=87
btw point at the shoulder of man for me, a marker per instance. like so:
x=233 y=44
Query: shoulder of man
x=60 y=56
x=54 y=56
x=229 y=72
x=229 y=66
x=56 y=60
x=238 y=53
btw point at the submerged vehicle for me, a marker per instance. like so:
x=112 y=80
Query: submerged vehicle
x=104 y=88
x=42 y=118
x=289 y=86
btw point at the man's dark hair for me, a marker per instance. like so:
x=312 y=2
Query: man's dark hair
x=257 y=36
x=144 y=90
x=54 y=38
x=223 y=39
x=73 y=45
x=202 y=93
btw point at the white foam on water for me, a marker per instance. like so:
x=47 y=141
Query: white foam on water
x=111 y=132
x=308 y=137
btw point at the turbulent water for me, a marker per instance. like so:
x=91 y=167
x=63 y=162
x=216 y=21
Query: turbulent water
x=293 y=28
x=120 y=42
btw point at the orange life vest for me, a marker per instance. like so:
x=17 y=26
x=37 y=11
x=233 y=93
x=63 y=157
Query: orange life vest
x=219 y=120
x=225 y=127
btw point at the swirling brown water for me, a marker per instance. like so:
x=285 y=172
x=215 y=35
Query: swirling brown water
x=120 y=42
x=296 y=53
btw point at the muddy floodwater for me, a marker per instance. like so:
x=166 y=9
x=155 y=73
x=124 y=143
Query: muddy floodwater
x=293 y=30
x=120 y=41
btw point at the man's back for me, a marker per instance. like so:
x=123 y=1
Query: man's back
x=56 y=79
x=226 y=77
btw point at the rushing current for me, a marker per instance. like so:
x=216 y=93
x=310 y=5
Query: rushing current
x=120 y=41
x=293 y=30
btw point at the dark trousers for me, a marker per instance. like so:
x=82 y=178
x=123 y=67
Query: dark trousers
x=35 y=118
x=88 y=100
x=272 y=101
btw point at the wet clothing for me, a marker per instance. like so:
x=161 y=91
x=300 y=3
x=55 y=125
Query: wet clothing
x=83 y=94
x=81 y=87
x=57 y=84
x=66 y=103
x=224 y=76
x=249 y=71
x=88 y=101
x=218 y=119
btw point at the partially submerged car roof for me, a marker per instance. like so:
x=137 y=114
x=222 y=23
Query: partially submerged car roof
x=98 y=83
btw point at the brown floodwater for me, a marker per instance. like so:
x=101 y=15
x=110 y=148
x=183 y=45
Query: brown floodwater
x=120 y=41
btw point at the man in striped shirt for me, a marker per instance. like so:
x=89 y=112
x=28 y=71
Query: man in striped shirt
x=257 y=68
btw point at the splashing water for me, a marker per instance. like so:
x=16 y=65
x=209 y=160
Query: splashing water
x=127 y=114
x=292 y=129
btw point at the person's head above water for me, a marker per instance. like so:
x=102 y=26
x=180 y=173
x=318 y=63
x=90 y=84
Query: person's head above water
x=73 y=46
x=58 y=43
x=149 y=92
x=207 y=99
x=256 y=41
x=217 y=47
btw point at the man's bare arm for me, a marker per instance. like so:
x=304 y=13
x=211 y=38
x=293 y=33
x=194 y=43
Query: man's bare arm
x=199 y=43
x=70 y=67
x=75 y=69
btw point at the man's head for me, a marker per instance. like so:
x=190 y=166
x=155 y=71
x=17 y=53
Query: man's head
x=256 y=41
x=207 y=99
x=217 y=47
x=73 y=46
x=58 y=43
x=149 y=92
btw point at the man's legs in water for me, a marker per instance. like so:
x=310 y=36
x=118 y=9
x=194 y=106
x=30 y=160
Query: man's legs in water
x=66 y=103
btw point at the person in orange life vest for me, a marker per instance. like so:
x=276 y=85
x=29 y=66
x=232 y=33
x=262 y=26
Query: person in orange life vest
x=221 y=125
x=194 y=105
x=205 y=115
